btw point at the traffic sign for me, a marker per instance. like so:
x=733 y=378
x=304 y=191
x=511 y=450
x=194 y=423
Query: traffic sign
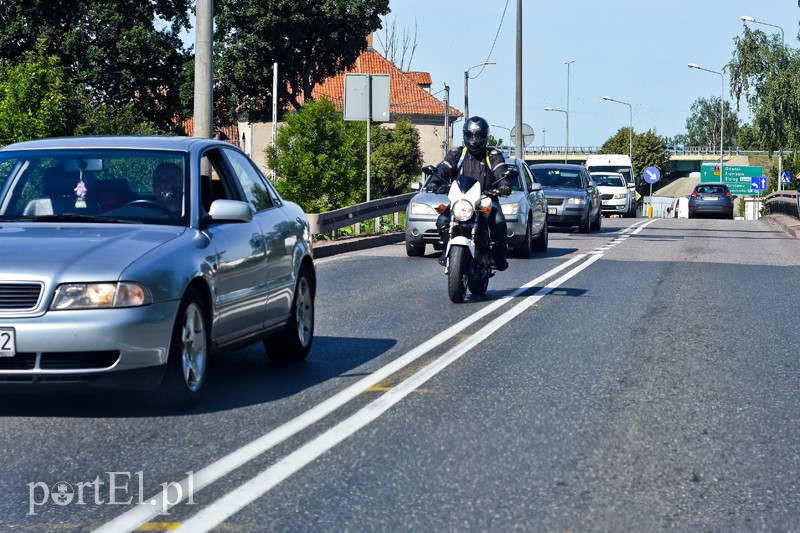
x=737 y=178
x=785 y=177
x=758 y=183
x=651 y=174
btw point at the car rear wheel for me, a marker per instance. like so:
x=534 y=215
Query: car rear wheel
x=293 y=342
x=415 y=250
x=185 y=375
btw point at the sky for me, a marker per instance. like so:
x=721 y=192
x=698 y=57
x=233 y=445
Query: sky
x=634 y=51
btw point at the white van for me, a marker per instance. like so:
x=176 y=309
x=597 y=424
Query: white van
x=614 y=163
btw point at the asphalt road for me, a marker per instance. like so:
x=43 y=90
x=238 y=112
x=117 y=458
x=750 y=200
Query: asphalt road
x=636 y=379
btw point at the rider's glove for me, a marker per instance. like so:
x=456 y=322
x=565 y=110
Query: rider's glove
x=429 y=169
x=504 y=190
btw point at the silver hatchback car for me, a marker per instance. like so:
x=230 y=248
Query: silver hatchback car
x=525 y=211
x=132 y=259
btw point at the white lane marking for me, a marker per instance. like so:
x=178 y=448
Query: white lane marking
x=146 y=511
x=236 y=500
x=640 y=228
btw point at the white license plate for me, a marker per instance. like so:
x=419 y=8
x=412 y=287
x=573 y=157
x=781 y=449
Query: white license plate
x=606 y=202
x=8 y=342
x=710 y=198
x=551 y=211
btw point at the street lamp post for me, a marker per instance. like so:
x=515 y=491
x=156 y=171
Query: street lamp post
x=510 y=139
x=567 y=117
x=568 y=63
x=721 y=111
x=466 y=88
x=544 y=132
x=746 y=18
x=630 y=127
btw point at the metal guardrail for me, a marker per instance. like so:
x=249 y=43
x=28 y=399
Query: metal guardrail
x=784 y=202
x=347 y=216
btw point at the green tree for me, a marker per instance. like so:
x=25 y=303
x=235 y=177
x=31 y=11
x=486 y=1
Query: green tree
x=649 y=150
x=396 y=159
x=763 y=72
x=320 y=159
x=37 y=99
x=702 y=127
x=120 y=51
x=310 y=41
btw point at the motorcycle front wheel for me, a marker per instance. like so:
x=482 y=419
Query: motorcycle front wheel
x=457 y=274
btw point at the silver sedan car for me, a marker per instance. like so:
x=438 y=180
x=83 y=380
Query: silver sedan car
x=131 y=260
x=525 y=211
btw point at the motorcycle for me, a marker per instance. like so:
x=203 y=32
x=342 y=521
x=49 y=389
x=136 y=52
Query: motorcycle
x=470 y=249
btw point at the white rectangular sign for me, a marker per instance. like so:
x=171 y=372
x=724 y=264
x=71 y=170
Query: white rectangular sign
x=356 y=97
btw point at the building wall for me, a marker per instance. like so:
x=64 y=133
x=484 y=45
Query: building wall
x=254 y=139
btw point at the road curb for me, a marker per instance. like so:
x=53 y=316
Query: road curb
x=351 y=244
x=788 y=224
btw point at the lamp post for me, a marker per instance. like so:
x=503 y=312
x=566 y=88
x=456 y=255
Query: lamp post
x=745 y=18
x=544 y=132
x=568 y=63
x=567 y=117
x=721 y=111
x=466 y=88
x=510 y=140
x=630 y=128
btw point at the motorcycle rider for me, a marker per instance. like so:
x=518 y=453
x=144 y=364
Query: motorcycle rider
x=488 y=167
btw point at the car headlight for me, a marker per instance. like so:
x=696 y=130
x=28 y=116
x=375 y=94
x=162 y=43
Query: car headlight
x=577 y=201
x=100 y=296
x=510 y=209
x=463 y=210
x=422 y=209
x=619 y=196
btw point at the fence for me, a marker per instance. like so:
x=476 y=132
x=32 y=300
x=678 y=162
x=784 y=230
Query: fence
x=783 y=202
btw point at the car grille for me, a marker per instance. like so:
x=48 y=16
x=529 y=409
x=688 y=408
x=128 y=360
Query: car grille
x=606 y=196
x=19 y=296
x=61 y=361
x=555 y=201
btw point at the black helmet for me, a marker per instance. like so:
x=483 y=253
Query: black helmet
x=476 y=133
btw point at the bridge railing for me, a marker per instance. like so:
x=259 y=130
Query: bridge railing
x=784 y=202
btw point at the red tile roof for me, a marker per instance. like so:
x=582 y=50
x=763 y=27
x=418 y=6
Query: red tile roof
x=406 y=96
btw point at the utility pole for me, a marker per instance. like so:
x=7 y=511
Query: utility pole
x=519 y=142
x=204 y=70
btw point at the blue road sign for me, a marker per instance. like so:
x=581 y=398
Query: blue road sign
x=786 y=176
x=651 y=174
x=758 y=183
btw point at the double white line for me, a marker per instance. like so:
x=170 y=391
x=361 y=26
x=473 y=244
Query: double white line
x=228 y=505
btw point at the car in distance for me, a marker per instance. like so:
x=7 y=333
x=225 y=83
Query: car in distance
x=572 y=196
x=711 y=200
x=616 y=196
x=118 y=281
x=525 y=211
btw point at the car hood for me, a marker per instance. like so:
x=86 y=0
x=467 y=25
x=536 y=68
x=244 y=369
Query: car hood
x=606 y=189
x=77 y=251
x=563 y=192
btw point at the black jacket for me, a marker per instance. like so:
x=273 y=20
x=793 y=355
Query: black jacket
x=475 y=167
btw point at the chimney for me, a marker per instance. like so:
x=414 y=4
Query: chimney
x=369 y=43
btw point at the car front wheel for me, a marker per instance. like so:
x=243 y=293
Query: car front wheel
x=185 y=375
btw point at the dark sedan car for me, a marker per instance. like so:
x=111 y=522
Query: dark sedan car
x=572 y=196
x=712 y=200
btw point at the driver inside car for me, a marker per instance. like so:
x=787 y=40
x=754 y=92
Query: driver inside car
x=168 y=186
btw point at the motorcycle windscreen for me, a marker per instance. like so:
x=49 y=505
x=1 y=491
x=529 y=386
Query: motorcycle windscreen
x=465 y=187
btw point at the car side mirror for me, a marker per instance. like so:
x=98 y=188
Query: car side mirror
x=536 y=187
x=631 y=185
x=416 y=186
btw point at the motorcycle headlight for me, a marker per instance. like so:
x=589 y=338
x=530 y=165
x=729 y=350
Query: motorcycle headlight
x=510 y=209
x=422 y=209
x=463 y=210
x=100 y=296
x=578 y=201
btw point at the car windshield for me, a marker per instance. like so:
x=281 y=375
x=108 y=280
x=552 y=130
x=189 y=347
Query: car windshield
x=710 y=189
x=556 y=177
x=133 y=186
x=609 y=180
x=625 y=171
